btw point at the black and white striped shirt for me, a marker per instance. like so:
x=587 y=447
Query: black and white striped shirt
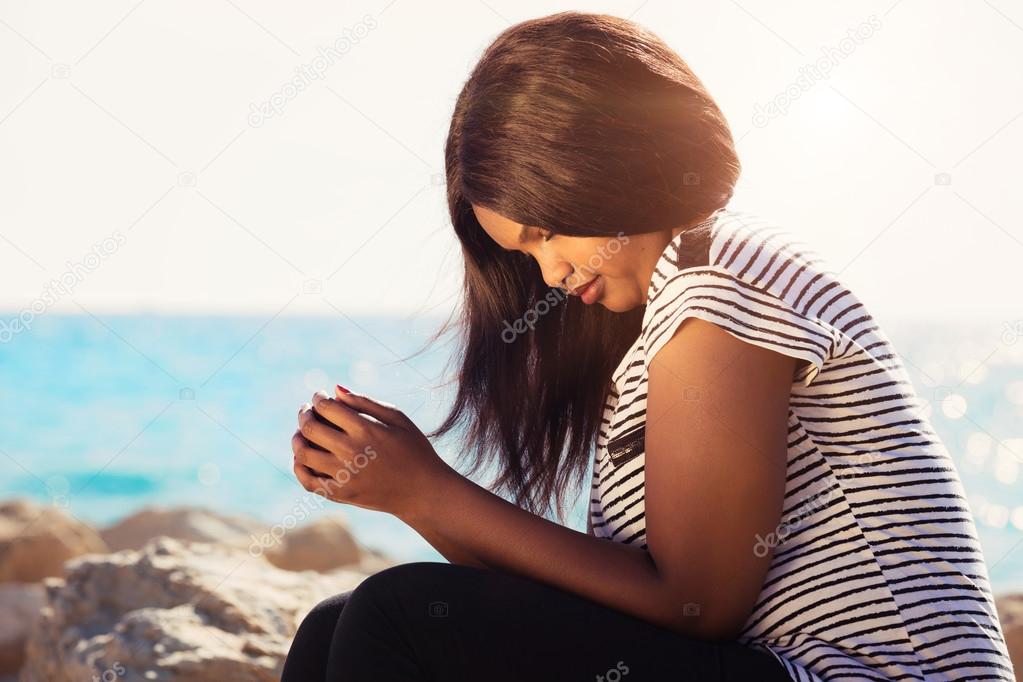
x=877 y=572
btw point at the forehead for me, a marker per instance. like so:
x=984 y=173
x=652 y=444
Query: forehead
x=493 y=220
x=502 y=230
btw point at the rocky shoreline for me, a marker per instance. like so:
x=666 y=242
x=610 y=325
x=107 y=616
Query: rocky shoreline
x=168 y=594
x=175 y=594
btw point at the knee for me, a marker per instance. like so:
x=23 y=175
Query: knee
x=416 y=578
x=402 y=574
x=324 y=614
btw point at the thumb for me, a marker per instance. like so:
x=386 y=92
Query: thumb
x=386 y=412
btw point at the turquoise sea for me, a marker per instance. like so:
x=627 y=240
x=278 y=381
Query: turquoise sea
x=105 y=414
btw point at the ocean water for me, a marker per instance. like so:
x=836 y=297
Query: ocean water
x=104 y=415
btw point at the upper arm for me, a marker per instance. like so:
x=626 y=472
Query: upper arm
x=715 y=467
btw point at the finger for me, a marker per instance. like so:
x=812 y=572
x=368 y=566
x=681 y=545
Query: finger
x=325 y=486
x=343 y=417
x=339 y=394
x=307 y=480
x=295 y=442
x=307 y=442
x=386 y=412
x=321 y=462
x=334 y=412
x=320 y=433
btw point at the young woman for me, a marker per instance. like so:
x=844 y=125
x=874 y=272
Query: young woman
x=768 y=500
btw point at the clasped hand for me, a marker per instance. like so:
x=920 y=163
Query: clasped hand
x=356 y=450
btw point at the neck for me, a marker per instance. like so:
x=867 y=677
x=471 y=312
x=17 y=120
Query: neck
x=676 y=231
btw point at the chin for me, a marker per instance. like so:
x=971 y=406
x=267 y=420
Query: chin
x=619 y=306
x=614 y=305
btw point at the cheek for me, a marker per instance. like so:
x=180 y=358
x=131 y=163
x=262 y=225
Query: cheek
x=611 y=265
x=596 y=258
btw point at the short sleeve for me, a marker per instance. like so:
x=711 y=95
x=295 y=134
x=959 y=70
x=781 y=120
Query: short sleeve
x=751 y=313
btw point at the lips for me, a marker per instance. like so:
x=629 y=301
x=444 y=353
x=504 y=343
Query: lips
x=578 y=291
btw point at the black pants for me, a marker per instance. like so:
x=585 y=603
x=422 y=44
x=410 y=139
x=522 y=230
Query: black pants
x=447 y=622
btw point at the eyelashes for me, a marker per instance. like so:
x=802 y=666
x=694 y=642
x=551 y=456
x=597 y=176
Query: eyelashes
x=549 y=236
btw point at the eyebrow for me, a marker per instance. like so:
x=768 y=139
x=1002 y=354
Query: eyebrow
x=523 y=235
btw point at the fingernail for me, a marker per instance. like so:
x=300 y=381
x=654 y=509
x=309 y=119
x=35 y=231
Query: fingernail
x=342 y=388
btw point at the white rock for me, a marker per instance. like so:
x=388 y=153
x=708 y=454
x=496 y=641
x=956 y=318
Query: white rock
x=36 y=540
x=321 y=545
x=173 y=611
x=19 y=607
x=182 y=523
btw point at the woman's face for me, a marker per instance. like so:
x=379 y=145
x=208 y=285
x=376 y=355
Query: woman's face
x=619 y=267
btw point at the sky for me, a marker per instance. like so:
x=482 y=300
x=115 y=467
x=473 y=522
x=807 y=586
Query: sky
x=154 y=158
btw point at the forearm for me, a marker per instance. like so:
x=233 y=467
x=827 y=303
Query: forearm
x=452 y=552
x=456 y=554
x=502 y=536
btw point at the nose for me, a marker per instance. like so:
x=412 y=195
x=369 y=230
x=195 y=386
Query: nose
x=555 y=274
x=571 y=279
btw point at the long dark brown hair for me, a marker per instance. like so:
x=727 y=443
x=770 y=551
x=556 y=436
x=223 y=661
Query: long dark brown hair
x=586 y=125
